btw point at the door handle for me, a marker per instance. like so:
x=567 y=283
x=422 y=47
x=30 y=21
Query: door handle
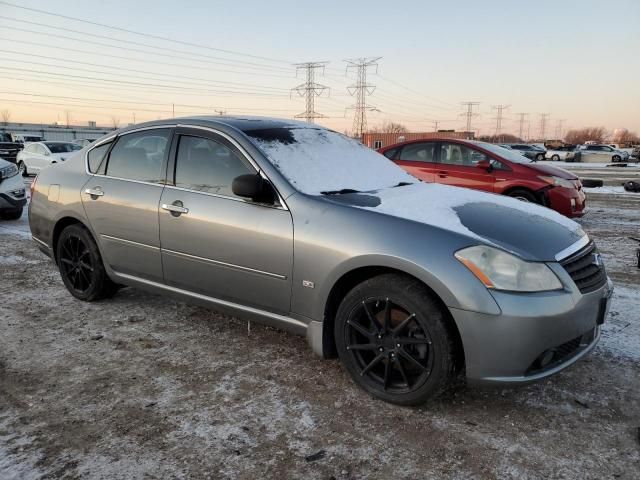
x=94 y=192
x=175 y=208
x=443 y=174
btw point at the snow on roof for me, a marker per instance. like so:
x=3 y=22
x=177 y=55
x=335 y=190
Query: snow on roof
x=316 y=160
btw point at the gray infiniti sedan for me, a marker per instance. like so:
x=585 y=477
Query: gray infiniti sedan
x=410 y=284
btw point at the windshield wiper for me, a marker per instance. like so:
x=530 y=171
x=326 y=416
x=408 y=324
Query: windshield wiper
x=340 y=192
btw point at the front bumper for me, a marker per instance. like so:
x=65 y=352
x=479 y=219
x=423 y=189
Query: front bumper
x=12 y=193
x=570 y=202
x=507 y=348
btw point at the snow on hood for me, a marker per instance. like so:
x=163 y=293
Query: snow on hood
x=437 y=205
x=316 y=160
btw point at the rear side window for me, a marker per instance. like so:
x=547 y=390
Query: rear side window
x=418 y=152
x=96 y=157
x=139 y=156
x=208 y=166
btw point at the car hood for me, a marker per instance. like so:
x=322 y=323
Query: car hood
x=551 y=170
x=531 y=231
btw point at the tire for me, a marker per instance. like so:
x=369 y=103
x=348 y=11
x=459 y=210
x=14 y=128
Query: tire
x=22 y=169
x=523 y=195
x=592 y=182
x=407 y=359
x=616 y=158
x=81 y=266
x=555 y=158
x=11 y=214
x=540 y=157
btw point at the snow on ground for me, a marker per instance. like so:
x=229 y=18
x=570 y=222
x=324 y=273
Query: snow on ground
x=621 y=331
x=611 y=191
x=587 y=166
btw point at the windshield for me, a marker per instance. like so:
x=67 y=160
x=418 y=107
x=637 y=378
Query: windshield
x=511 y=155
x=61 y=147
x=316 y=161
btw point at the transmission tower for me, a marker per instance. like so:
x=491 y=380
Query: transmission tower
x=469 y=114
x=360 y=90
x=544 y=118
x=498 y=118
x=559 y=123
x=521 y=121
x=310 y=89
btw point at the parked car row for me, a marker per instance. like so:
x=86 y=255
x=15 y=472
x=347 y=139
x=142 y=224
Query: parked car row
x=409 y=283
x=38 y=155
x=12 y=192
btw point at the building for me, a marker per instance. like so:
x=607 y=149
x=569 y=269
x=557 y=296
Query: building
x=56 y=132
x=379 y=140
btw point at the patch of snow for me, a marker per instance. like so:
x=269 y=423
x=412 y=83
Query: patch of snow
x=611 y=191
x=587 y=165
x=17 y=459
x=319 y=160
x=434 y=204
x=621 y=331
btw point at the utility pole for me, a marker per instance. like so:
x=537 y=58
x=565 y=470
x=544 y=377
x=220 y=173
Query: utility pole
x=221 y=112
x=521 y=121
x=173 y=109
x=498 y=118
x=559 y=123
x=310 y=89
x=544 y=118
x=360 y=90
x=134 y=118
x=435 y=125
x=469 y=114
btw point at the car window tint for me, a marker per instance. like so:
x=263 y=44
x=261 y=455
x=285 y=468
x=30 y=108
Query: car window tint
x=391 y=153
x=208 y=166
x=96 y=158
x=418 y=152
x=455 y=154
x=139 y=156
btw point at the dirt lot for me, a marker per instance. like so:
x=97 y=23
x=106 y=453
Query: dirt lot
x=143 y=387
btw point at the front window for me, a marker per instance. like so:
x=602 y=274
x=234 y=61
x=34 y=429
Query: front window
x=315 y=160
x=208 y=166
x=457 y=154
x=62 y=147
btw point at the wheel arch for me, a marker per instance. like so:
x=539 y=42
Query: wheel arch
x=59 y=226
x=360 y=274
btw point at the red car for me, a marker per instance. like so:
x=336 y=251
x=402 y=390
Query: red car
x=488 y=167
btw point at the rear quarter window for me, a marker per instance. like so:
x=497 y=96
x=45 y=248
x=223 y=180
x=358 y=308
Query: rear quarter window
x=96 y=157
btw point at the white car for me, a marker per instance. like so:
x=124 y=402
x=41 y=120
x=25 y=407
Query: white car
x=36 y=156
x=601 y=154
x=12 y=192
x=564 y=154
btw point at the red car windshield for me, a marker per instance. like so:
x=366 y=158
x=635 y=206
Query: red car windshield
x=511 y=155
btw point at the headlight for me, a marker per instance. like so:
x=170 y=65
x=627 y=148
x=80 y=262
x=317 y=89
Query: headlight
x=500 y=270
x=559 y=182
x=8 y=171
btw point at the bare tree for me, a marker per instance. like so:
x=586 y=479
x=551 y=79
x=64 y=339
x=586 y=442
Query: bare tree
x=6 y=116
x=67 y=117
x=389 y=127
x=589 y=134
x=502 y=138
x=115 y=121
x=623 y=135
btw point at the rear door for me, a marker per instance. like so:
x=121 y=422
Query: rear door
x=122 y=197
x=419 y=159
x=458 y=166
x=214 y=242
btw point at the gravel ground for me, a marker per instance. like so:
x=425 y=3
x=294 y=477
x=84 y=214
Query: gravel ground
x=141 y=386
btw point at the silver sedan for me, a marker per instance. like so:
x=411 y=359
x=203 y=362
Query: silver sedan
x=410 y=284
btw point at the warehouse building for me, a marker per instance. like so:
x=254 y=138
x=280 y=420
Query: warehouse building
x=379 y=140
x=55 y=132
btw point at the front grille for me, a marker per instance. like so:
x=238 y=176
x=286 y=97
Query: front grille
x=586 y=268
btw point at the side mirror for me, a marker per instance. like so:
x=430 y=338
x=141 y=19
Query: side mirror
x=485 y=165
x=254 y=187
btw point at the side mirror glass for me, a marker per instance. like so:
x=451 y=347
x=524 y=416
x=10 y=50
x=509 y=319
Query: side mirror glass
x=254 y=187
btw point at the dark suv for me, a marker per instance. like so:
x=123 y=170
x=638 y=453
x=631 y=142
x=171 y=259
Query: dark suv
x=529 y=151
x=8 y=148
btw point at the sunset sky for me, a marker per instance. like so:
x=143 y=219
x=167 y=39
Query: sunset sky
x=577 y=60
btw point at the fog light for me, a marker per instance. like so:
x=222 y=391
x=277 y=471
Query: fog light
x=546 y=358
x=573 y=204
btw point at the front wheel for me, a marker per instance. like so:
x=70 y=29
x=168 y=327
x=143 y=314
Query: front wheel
x=555 y=158
x=81 y=266
x=616 y=158
x=523 y=195
x=391 y=336
x=540 y=157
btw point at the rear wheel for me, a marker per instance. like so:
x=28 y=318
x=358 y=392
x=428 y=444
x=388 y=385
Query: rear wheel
x=391 y=336
x=11 y=214
x=540 y=157
x=81 y=266
x=555 y=158
x=616 y=158
x=523 y=195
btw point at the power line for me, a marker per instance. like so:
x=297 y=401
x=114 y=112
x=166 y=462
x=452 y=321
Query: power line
x=310 y=89
x=360 y=90
x=469 y=114
x=148 y=35
x=498 y=118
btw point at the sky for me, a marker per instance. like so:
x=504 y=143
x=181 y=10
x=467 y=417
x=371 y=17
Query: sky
x=574 y=60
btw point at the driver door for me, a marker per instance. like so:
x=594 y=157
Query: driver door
x=214 y=242
x=458 y=167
